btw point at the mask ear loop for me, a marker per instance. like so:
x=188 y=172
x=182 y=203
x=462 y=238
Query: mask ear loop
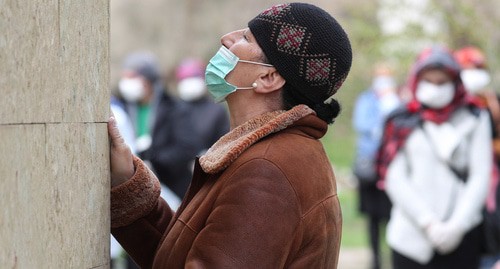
x=254 y=85
x=251 y=62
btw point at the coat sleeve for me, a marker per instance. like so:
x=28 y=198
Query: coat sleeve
x=480 y=168
x=253 y=221
x=139 y=216
x=402 y=192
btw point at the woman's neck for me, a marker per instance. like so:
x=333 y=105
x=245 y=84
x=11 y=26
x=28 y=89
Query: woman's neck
x=243 y=109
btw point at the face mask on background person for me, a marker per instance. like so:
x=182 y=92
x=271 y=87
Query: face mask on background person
x=435 y=96
x=191 y=89
x=383 y=84
x=223 y=62
x=131 y=89
x=475 y=80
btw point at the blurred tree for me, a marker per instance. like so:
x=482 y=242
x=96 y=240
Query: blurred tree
x=471 y=22
x=360 y=20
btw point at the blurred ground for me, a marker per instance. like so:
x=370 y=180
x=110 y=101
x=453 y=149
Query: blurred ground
x=354 y=258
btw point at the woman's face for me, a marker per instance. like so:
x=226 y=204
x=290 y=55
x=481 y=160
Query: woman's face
x=243 y=44
x=435 y=88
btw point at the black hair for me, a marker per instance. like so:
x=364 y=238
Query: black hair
x=327 y=112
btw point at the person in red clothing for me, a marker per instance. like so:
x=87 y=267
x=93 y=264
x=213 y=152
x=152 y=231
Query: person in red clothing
x=434 y=162
x=264 y=195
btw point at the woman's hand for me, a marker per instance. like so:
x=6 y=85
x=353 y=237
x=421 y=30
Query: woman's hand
x=122 y=166
x=445 y=236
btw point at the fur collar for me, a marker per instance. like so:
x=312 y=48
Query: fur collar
x=233 y=144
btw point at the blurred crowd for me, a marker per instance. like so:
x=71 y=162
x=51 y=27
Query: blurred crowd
x=167 y=128
x=427 y=158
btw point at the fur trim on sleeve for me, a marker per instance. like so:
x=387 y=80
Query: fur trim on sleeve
x=134 y=198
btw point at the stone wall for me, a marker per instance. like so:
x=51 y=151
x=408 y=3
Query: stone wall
x=54 y=186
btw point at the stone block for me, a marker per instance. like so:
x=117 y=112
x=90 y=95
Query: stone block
x=54 y=195
x=54 y=61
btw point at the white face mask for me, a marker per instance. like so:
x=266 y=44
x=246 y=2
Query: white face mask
x=435 y=96
x=383 y=84
x=191 y=89
x=475 y=80
x=132 y=89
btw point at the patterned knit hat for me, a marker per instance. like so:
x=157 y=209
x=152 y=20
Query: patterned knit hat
x=307 y=46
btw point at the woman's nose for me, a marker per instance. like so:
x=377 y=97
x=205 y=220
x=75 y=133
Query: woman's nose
x=228 y=39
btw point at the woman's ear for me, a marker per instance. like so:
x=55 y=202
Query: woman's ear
x=269 y=81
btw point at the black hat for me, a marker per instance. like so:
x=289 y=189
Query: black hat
x=307 y=46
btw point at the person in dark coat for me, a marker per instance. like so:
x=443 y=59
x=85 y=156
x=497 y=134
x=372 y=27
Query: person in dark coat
x=165 y=135
x=209 y=120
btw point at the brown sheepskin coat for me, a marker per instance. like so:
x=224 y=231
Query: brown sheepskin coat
x=264 y=196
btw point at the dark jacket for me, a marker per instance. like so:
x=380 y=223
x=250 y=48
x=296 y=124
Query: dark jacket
x=173 y=147
x=264 y=196
x=174 y=144
x=210 y=122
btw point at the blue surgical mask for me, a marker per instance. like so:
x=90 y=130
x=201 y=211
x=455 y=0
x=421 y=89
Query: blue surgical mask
x=223 y=62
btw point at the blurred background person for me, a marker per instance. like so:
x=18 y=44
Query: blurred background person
x=370 y=110
x=164 y=135
x=152 y=113
x=476 y=78
x=209 y=120
x=474 y=74
x=435 y=164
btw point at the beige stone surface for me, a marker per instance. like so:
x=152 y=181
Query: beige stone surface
x=55 y=204
x=54 y=164
x=54 y=61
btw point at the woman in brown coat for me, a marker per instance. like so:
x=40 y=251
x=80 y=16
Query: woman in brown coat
x=264 y=195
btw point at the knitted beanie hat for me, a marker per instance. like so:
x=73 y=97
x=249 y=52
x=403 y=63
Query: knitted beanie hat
x=307 y=46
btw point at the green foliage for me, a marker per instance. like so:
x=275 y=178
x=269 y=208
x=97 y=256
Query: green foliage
x=471 y=22
x=339 y=144
x=354 y=229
